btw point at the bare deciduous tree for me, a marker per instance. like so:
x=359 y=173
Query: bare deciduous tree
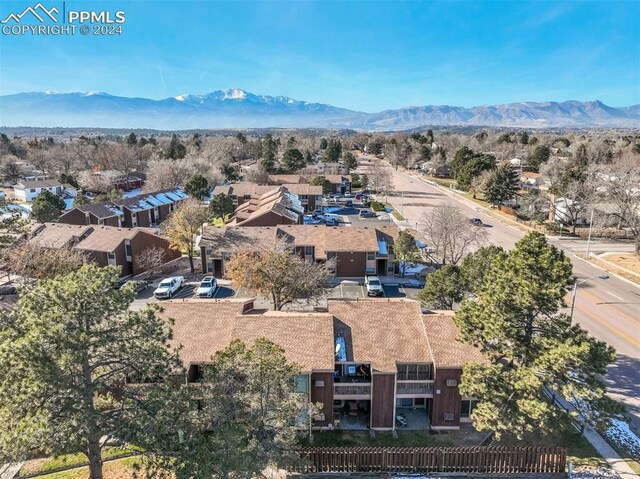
x=182 y=226
x=450 y=233
x=151 y=259
x=275 y=272
x=41 y=262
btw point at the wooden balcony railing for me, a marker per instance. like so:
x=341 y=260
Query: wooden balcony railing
x=340 y=390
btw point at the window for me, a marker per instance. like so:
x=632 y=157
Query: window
x=389 y=250
x=100 y=221
x=111 y=255
x=466 y=406
x=371 y=271
x=302 y=383
x=390 y=268
x=331 y=255
x=371 y=256
x=414 y=372
x=127 y=248
x=308 y=250
x=32 y=190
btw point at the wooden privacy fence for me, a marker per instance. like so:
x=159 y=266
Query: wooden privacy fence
x=476 y=459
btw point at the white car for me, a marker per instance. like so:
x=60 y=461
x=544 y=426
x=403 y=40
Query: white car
x=168 y=287
x=373 y=285
x=207 y=287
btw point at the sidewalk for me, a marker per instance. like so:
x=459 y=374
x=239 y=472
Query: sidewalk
x=9 y=471
x=614 y=460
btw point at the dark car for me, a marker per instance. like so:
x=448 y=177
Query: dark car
x=476 y=221
x=138 y=285
x=367 y=214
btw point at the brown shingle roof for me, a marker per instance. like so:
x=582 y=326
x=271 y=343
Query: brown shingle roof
x=59 y=235
x=384 y=332
x=203 y=327
x=323 y=238
x=443 y=336
x=108 y=238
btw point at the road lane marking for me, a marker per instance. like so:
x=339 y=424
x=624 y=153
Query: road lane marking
x=604 y=303
x=615 y=296
x=615 y=330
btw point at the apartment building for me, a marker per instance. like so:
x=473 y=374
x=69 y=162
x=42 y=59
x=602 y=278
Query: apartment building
x=105 y=245
x=145 y=210
x=368 y=362
x=357 y=251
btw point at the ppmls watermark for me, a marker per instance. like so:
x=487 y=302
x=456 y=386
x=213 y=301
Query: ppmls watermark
x=40 y=20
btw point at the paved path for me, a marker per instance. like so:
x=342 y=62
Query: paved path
x=8 y=471
x=608 y=309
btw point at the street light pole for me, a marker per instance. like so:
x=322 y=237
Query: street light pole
x=575 y=290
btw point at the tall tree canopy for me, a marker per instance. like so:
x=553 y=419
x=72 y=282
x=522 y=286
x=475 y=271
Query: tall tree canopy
x=292 y=161
x=502 y=184
x=65 y=352
x=198 y=187
x=47 y=207
x=529 y=344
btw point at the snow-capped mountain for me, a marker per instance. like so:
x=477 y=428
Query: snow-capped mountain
x=236 y=108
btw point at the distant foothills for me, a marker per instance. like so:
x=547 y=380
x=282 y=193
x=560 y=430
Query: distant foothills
x=236 y=108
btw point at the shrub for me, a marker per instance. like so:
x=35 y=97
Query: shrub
x=377 y=206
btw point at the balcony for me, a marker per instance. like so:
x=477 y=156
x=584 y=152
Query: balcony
x=414 y=388
x=351 y=391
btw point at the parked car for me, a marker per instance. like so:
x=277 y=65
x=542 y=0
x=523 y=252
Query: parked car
x=347 y=195
x=138 y=285
x=349 y=203
x=207 y=287
x=367 y=214
x=373 y=285
x=168 y=287
x=476 y=221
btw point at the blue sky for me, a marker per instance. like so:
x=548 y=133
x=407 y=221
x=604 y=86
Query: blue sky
x=362 y=55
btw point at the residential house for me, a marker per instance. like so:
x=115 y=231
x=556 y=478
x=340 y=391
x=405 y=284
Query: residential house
x=365 y=361
x=357 y=251
x=105 y=245
x=275 y=207
x=121 y=181
x=144 y=210
x=531 y=179
x=28 y=190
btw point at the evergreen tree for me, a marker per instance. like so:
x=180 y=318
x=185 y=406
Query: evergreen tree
x=443 y=288
x=221 y=205
x=132 y=139
x=322 y=181
x=538 y=157
x=47 y=206
x=502 y=185
x=66 y=351
x=198 y=187
x=323 y=143
x=292 y=161
x=333 y=151
x=176 y=149
x=11 y=224
x=529 y=345
x=349 y=161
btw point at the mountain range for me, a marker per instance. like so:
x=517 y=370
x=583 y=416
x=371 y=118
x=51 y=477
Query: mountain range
x=236 y=108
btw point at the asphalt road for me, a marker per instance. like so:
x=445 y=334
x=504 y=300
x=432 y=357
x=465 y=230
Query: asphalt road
x=608 y=309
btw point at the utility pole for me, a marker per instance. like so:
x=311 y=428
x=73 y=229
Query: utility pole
x=589 y=239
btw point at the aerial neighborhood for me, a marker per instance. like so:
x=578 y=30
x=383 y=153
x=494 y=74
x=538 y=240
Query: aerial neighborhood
x=385 y=279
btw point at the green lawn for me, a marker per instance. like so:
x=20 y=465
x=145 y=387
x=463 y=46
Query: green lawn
x=395 y=214
x=46 y=464
x=119 y=469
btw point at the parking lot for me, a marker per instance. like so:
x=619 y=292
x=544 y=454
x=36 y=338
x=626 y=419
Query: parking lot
x=349 y=216
x=343 y=289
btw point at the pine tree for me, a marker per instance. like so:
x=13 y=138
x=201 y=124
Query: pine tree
x=529 y=344
x=66 y=351
x=47 y=207
x=198 y=187
x=502 y=185
x=292 y=161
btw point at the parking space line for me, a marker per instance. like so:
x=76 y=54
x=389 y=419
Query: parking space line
x=364 y=294
x=341 y=290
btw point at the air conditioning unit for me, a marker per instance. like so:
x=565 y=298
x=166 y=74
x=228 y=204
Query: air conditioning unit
x=448 y=416
x=452 y=382
x=318 y=383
